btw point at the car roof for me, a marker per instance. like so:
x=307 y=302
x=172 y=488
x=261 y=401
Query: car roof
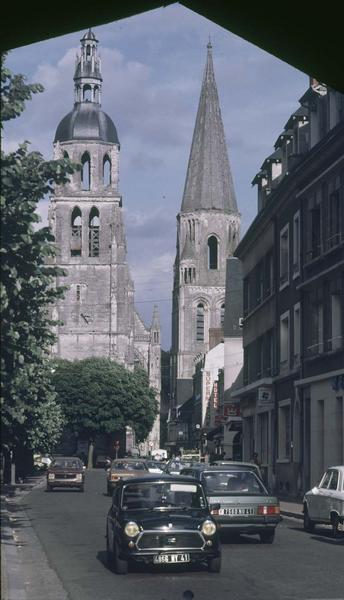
x=59 y=456
x=125 y=459
x=207 y=467
x=156 y=478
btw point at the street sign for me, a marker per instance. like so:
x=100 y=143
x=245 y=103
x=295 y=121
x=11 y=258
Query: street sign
x=264 y=396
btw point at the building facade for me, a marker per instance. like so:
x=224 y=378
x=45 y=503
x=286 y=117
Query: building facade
x=293 y=268
x=207 y=233
x=97 y=313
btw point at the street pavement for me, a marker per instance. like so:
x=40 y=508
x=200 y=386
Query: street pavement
x=53 y=548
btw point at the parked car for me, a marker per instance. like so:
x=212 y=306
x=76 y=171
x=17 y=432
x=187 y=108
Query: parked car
x=124 y=468
x=238 y=500
x=103 y=462
x=161 y=520
x=155 y=466
x=324 y=503
x=239 y=464
x=66 y=472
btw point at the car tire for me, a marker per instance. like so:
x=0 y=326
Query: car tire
x=308 y=524
x=49 y=488
x=335 y=524
x=120 y=565
x=214 y=565
x=109 y=493
x=267 y=537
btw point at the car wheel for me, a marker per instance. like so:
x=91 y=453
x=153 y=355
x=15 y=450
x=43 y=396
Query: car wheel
x=308 y=524
x=335 y=524
x=49 y=488
x=120 y=565
x=214 y=565
x=267 y=537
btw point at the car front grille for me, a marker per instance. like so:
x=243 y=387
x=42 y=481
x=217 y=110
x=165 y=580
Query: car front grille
x=65 y=476
x=170 y=540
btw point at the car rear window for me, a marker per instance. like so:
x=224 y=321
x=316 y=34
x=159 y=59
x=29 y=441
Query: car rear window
x=161 y=495
x=232 y=482
x=128 y=466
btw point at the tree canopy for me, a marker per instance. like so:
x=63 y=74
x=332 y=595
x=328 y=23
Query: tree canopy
x=30 y=415
x=98 y=395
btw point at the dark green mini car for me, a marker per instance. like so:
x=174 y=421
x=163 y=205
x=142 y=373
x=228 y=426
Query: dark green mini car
x=161 y=520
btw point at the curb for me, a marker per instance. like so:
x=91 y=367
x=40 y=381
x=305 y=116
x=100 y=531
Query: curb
x=294 y=515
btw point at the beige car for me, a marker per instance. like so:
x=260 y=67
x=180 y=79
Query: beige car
x=125 y=468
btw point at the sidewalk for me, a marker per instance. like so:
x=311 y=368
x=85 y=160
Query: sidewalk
x=12 y=587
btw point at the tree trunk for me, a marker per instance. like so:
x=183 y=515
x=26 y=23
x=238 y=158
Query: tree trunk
x=90 y=455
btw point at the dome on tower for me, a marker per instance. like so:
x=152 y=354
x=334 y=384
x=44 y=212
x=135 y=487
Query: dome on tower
x=86 y=122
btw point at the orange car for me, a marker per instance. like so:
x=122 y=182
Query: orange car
x=124 y=468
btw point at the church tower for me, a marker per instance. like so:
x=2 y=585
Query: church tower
x=207 y=233
x=97 y=313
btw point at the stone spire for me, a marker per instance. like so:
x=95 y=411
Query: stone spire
x=87 y=77
x=209 y=183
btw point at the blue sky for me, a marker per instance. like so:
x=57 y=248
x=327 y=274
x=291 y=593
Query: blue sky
x=152 y=67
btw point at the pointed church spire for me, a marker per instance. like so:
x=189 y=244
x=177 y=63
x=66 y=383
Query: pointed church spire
x=87 y=77
x=209 y=183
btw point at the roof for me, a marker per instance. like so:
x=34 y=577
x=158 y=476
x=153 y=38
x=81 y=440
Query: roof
x=274 y=157
x=158 y=477
x=301 y=114
x=209 y=183
x=86 y=122
x=288 y=133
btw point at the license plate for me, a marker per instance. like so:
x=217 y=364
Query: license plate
x=236 y=511
x=171 y=558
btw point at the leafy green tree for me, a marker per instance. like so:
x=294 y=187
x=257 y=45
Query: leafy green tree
x=101 y=396
x=30 y=415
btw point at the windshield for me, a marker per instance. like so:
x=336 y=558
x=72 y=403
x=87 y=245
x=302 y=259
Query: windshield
x=232 y=482
x=67 y=463
x=160 y=495
x=128 y=466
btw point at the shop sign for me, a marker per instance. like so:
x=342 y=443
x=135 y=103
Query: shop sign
x=264 y=396
x=215 y=395
x=232 y=410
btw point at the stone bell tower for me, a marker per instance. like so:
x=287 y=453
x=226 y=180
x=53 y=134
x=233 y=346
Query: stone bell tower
x=97 y=311
x=207 y=234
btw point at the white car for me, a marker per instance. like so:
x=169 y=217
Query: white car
x=324 y=504
x=154 y=466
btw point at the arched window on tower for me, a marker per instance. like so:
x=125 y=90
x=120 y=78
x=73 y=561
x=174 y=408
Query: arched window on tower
x=87 y=93
x=65 y=154
x=106 y=171
x=200 y=322
x=86 y=172
x=222 y=315
x=93 y=237
x=96 y=94
x=212 y=252
x=88 y=52
x=76 y=237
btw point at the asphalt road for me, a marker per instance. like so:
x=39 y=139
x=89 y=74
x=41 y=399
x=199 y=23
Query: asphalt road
x=63 y=533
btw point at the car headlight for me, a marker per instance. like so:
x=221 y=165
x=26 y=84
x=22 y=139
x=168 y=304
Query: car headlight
x=131 y=529
x=79 y=477
x=51 y=476
x=208 y=528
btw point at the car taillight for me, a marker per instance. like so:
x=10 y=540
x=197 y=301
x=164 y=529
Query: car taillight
x=268 y=510
x=115 y=477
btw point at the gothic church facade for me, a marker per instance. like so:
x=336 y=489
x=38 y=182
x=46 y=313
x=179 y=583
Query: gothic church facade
x=207 y=234
x=98 y=312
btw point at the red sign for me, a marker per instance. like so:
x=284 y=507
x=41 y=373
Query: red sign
x=231 y=410
x=215 y=395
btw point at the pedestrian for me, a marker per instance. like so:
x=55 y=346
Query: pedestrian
x=255 y=459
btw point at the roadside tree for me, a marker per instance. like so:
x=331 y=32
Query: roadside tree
x=99 y=396
x=31 y=418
